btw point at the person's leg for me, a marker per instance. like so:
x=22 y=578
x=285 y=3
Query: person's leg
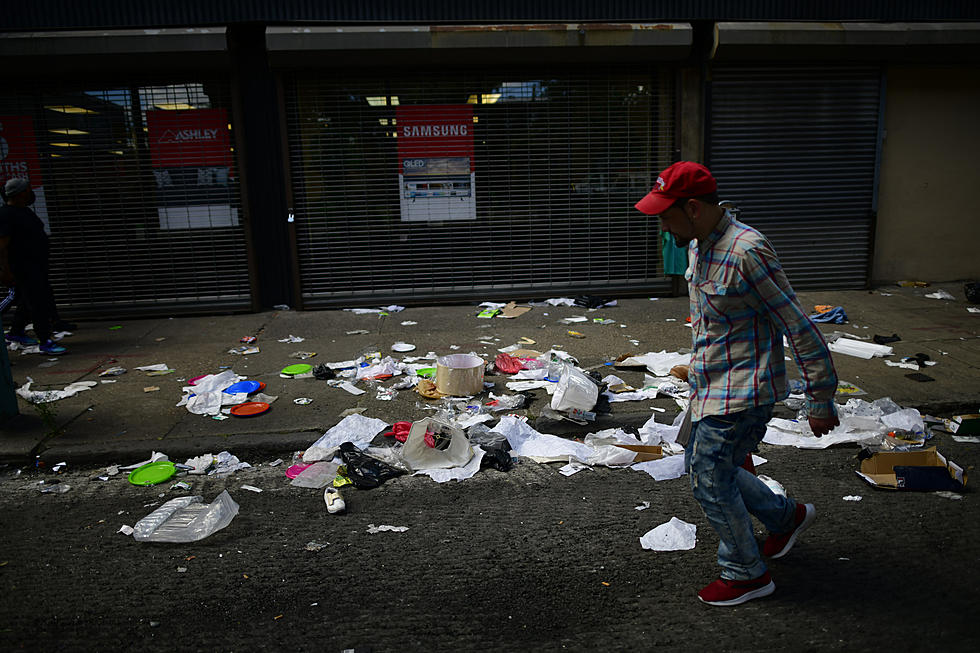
x=717 y=447
x=33 y=290
x=775 y=511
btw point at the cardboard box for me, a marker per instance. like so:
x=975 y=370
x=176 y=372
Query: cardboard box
x=926 y=469
x=643 y=452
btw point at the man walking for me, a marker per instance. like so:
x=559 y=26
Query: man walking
x=741 y=307
x=24 y=264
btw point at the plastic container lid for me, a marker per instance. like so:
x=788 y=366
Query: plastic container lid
x=243 y=386
x=152 y=473
x=298 y=368
x=249 y=409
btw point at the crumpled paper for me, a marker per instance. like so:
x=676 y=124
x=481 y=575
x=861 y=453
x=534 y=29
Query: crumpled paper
x=528 y=442
x=354 y=428
x=675 y=535
x=46 y=396
x=456 y=473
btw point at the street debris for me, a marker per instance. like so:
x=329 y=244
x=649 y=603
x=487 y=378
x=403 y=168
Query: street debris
x=675 y=535
x=384 y=528
x=186 y=519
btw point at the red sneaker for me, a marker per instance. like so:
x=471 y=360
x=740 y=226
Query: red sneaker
x=778 y=544
x=734 y=592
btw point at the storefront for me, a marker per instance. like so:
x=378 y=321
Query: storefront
x=476 y=183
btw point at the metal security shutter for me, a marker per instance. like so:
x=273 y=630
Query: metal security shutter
x=558 y=162
x=796 y=149
x=131 y=234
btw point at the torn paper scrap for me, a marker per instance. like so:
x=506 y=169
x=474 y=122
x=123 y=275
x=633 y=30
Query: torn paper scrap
x=572 y=468
x=385 y=527
x=643 y=505
x=159 y=367
x=663 y=469
x=853 y=497
x=675 y=535
x=859 y=349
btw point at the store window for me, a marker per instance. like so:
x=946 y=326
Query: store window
x=498 y=182
x=139 y=190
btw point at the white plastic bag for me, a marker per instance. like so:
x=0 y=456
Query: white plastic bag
x=574 y=390
x=186 y=519
x=418 y=455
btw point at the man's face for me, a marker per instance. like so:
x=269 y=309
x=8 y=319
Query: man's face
x=677 y=223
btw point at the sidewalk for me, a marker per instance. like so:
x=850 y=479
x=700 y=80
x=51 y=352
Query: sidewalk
x=119 y=422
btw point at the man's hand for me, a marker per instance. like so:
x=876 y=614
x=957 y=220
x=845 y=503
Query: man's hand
x=823 y=425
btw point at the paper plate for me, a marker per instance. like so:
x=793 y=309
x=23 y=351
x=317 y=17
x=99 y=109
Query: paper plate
x=247 y=387
x=403 y=347
x=249 y=409
x=195 y=379
x=298 y=368
x=152 y=473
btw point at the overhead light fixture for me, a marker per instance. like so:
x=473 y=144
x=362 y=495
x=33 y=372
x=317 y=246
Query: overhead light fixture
x=382 y=100
x=119 y=152
x=67 y=108
x=476 y=119
x=383 y=121
x=174 y=106
x=64 y=144
x=68 y=131
x=483 y=98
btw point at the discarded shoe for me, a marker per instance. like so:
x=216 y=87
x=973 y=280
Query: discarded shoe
x=778 y=544
x=52 y=348
x=334 y=500
x=726 y=592
x=25 y=340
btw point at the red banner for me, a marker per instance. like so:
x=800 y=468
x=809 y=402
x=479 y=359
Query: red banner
x=18 y=150
x=198 y=138
x=434 y=131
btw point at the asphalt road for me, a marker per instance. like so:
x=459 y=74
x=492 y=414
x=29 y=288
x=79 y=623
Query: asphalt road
x=523 y=560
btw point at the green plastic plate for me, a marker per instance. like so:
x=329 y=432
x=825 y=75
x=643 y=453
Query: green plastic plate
x=298 y=368
x=152 y=473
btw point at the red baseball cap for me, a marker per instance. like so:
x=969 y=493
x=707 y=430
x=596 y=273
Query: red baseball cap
x=681 y=180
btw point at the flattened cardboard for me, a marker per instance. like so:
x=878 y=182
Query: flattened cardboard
x=643 y=452
x=879 y=469
x=512 y=310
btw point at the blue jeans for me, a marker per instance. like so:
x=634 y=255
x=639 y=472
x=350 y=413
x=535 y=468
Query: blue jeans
x=728 y=494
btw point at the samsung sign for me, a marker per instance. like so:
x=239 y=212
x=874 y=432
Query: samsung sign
x=422 y=131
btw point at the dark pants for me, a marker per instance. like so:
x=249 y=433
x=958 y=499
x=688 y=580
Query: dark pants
x=35 y=303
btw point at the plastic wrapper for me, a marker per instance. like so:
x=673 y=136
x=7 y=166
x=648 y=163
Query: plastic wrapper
x=363 y=470
x=433 y=444
x=186 y=519
x=318 y=475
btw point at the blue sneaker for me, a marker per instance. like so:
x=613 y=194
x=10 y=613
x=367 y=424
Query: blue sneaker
x=27 y=341
x=52 y=348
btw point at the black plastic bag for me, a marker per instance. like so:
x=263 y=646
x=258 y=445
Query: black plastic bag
x=365 y=471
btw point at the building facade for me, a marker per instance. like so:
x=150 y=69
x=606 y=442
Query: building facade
x=233 y=157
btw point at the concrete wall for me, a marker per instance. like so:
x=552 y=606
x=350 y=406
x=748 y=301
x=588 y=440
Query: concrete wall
x=929 y=194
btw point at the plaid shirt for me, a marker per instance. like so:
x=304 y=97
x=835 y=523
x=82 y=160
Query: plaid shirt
x=741 y=305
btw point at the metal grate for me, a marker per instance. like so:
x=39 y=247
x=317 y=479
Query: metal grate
x=139 y=189
x=796 y=149
x=558 y=160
